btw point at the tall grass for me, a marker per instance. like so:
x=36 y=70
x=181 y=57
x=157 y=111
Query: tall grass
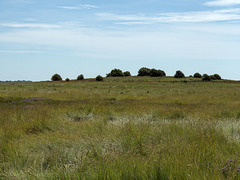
x=122 y=128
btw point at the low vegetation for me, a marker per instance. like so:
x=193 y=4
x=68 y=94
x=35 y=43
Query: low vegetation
x=179 y=74
x=122 y=128
x=197 y=75
x=80 y=77
x=99 y=78
x=56 y=77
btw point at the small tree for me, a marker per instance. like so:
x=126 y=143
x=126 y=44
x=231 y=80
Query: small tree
x=197 y=75
x=163 y=73
x=80 y=77
x=157 y=73
x=206 y=77
x=213 y=77
x=217 y=76
x=127 y=73
x=67 y=79
x=99 y=78
x=56 y=77
x=153 y=73
x=115 y=73
x=144 y=72
x=179 y=74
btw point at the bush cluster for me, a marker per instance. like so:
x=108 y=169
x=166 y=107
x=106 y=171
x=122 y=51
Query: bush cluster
x=151 y=72
x=206 y=77
x=118 y=73
x=211 y=77
x=144 y=72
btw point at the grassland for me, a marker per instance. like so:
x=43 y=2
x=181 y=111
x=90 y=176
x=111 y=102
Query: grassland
x=121 y=128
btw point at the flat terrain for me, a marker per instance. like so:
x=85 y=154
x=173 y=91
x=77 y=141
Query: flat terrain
x=121 y=128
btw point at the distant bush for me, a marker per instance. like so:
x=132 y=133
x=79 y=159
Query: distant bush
x=179 y=74
x=144 y=72
x=99 y=78
x=217 y=76
x=197 y=75
x=67 y=79
x=80 y=77
x=127 y=73
x=115 y=73
x=157 y=73
x=206 y=77
x=213 y=77
x=56 y=77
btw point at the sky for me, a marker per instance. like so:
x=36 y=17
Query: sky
x=92 y=37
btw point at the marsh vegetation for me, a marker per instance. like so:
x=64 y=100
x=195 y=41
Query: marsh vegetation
x=120 y=128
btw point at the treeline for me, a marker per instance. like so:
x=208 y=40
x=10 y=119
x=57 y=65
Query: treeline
x=144 y=72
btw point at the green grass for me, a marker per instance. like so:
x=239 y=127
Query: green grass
x=121 y=128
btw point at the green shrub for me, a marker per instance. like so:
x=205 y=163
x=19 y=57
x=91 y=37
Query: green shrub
x=197 y=75
x=115 y=73
x=127 y=73
x=157 y=73
x=217 y=76
x=99 y=78
x=144 y=72
x=213 y=77
x=56 y=77
x=206 y=77
x=67 y=79
x=80 y=77
x=179 y=74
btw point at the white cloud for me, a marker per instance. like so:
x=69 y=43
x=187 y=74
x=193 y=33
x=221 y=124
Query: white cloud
x=223 y=3
x=82 y=6
x=29 y=25
x=209 y=41
x=186 y=17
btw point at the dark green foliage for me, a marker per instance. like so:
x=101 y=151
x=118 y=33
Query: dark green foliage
x=217 y=76
x=213 y=77
x=144 y=72
x=157 y=73
x=206 y=77
x=80 y=77
x=115 y=73
x=67 y=79
x=99 y=78
x=179 y=74
x=56 y=77
x=127 y=73
x=197 y=75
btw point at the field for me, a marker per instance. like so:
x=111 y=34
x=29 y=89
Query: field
x=121 y=128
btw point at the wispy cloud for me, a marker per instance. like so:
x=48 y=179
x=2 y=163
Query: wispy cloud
x=29 y=25
x=81 y=6
x=22 y=52
x=223 y=3
x=186 y=17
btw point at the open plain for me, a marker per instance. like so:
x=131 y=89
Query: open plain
x=120 y=128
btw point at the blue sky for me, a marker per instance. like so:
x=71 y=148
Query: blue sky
x=90 y=37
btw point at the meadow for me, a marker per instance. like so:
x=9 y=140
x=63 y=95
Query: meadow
x=120 y=128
